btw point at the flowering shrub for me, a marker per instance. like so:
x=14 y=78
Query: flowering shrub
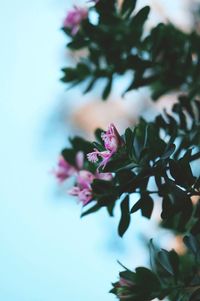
x=118 y=165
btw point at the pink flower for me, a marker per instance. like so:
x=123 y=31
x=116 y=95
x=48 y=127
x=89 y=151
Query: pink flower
x=65 y=169
x=74 y=191
x=79 y=160
x=84 y=195
x=74 y=19
x=105 y=155
x=106 y=176
x=112 y=141
x=83 y=189
x=111 y=138
x=125 y=282
x=124 y=289
x=85 y=178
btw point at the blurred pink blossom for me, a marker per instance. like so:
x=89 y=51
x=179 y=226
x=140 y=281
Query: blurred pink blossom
x=65 y=170
x=74 y=18
x=106 y=176
x=85 y=178
x=84 y=195
x=83 y=189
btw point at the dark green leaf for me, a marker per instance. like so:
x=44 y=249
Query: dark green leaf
x=127 y=7
x=125 y=216
x=195 y=295
x=168 y=152
x=165 y=261
x=107 y=89
x=145 y=204
x=144 y=275
x=93 y=209
x=192 y=244
x=139 y=19
x=129 y=138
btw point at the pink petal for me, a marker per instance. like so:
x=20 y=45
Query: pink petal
x=74 y=191
x=107 y=176
x=79 y=159
x=85 y=196
x=85 y=178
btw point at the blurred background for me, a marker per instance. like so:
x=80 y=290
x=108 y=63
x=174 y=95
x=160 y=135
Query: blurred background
x=47 y=252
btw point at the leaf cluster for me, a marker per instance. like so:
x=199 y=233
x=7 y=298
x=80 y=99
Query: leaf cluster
x=170 y=275
x=161 y=151
x=164 y=58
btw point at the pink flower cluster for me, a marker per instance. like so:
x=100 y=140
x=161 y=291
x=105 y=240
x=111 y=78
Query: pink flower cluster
x=84 y=178
x=112 y=141
x=83 y=189
x=124 y=289
x=74 y=19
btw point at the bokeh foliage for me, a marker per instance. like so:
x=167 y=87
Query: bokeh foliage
x=164 y=58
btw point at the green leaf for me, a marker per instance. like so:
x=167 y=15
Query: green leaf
x=104 y=191
x=125 y=216
x=169 y=261
x=70 y=75
x=181 y=171
x=176 y=171
x=125 y=177
x=168 y=152
x=69 y=155
x=110 y=208
x=81 y=144
x=182 y=117
x=128 y=7
x=145 y=204
x=93 y=209
x=195 y=296
x=196 y=228
x=107 y=89
x=137 y=22
x=136 y=207
x=90 y=85
x=129 y=139
x=98 y=133
x=147 y=277
x=192 y=244
x=176 y=202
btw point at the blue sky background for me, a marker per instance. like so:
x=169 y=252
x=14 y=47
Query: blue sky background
x=47 y=253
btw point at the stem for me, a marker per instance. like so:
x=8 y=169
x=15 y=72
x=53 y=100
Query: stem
x=194 y=193
x=152 y=192
x=195 y=156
